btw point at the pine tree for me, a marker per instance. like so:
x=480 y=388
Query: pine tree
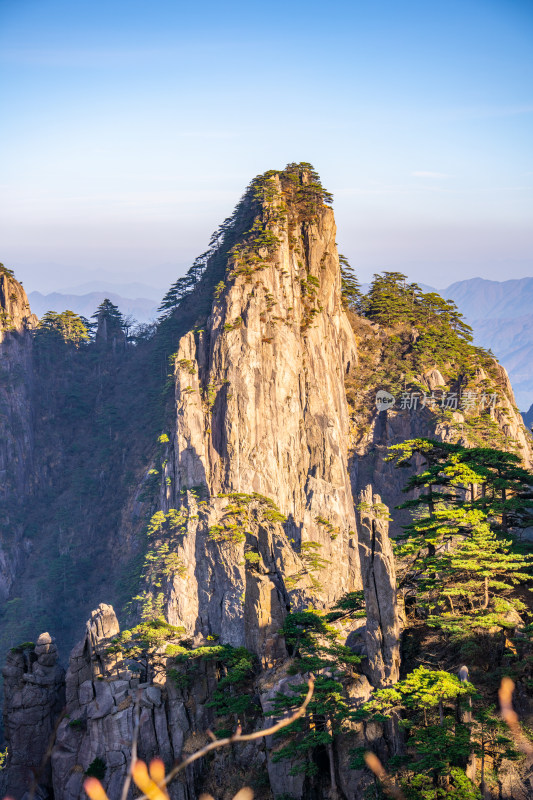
x=463 y=571
x=503 y=488
x=144 y=644
x=437 y=746
x=313 y=643
x=350 y=286
x=110 y=324
x=67 y=326
x=391 y=299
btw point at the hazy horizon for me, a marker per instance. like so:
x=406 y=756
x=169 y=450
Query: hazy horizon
x=130 y=132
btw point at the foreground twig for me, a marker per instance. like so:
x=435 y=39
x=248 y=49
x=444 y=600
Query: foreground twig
x=389 y=787
x=510 y=716
x=137 y=720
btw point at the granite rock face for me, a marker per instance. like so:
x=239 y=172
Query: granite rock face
x=104 y=703
x=368 y=452
x=261 y=411
x=382 y=629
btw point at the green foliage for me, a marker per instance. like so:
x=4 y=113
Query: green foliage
x=352 y=296
x=315 y=648
x=235 y=523
x=162 y=563
x=310 y=194
x=438 y=746
x=187 y=365
x=313 y=561
x=9 y=273
x=423 y=690
x=144 y=643
x=332 y=529
x=351 y=605
x=231 y=326
x=391 y=300
x=65 y=327
x=418 y=332
x=96 y=769
x=19 y=648
x=107 y=314
x=461 y=565
x=235 y=666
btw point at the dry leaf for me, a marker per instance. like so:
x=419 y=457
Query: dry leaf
x=244 y=794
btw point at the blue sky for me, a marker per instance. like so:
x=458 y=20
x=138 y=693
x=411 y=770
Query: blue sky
x=130 y=129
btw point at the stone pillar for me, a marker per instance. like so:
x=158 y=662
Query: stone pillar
x=34 y=696
x=382 y=630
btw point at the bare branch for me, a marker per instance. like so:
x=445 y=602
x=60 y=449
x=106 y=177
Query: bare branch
x=238 y=737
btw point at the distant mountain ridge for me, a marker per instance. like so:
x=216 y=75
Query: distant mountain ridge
x=127 y=290
x=143 y=309
x=500 y=313
x=479 y=298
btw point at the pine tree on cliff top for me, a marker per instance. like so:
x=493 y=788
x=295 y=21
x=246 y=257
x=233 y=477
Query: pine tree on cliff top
x=67 y=326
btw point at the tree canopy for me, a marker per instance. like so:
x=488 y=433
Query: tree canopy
x=66 y=326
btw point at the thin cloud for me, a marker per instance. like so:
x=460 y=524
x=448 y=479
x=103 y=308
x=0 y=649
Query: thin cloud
x=435 y=175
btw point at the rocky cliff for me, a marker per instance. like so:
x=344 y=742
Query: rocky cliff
x=478 y=410
x=16 y=423
x=263 y=496
x=261 y=411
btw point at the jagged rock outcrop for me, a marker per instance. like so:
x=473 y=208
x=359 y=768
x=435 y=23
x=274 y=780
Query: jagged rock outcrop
x=103 y=698
x=34 y=696
x=382 y=627
x=15 y=310
x=99 y=721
